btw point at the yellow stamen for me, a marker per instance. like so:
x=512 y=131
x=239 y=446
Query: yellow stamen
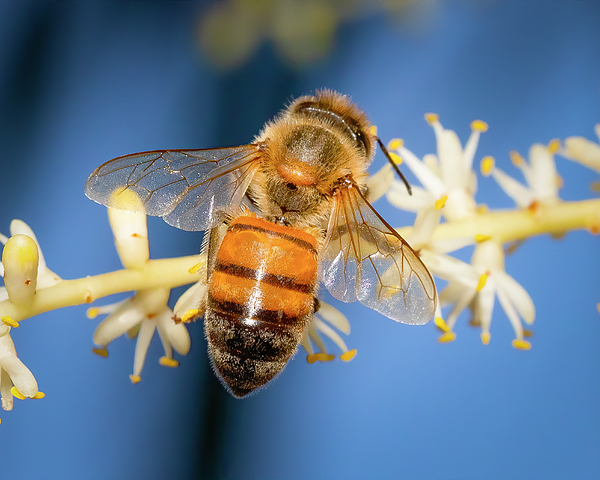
x=103 y=352
x=373 y=130
x=395 y=143
x=168 y=362
x=479 y=125
x=195 y=268
x=135 y=379
x=487 y=165
x=319 y=357
x=396 y=158
x=9 y=322
x=441 y=324
x=481 y=283
x=521 y=344
x=432 y=118
x=482 y=238
x=485 y=338
x=447 y=337
x=554 y=145
x=92 y=312
x=516 y=158
x=39 y=395
x=527 y=333
x=190 y=315
x=17 y=394
x=482 y=209
x=349 y=355
x=440 y=202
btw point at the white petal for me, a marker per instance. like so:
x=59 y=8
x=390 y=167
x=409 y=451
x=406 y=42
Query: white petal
x=194 y=298
x=331 y=333
x=463 y=297
x=314 y=337
x=450 y=269
x=484 y=305
x=399 y=197
x=543 y=180
x=432 y=183
x=583 y=151
x=451 y=293
x=517 y=295
x=176 y=334
x=141 y=347
x=447 y=245
x=451 y=157
x=470 y=149
x=334 y=316
x=5 y=386
x=125 y=317
x=21 y=376
x=511 y=313
x=379 y=183
x=522 y=196
x=425 y=223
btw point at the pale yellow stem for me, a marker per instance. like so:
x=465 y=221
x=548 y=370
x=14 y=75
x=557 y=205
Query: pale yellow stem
x=513 y=225
x=168 y=272
x=503 y=226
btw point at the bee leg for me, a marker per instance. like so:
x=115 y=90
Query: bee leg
x=394 y=166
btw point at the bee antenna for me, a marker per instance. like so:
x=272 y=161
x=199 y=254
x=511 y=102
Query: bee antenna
x=394 y=166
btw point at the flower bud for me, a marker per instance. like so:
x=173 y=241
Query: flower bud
x=129 y=228
x=20 y=258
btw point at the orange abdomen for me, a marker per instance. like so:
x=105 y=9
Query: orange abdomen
x=260 y=301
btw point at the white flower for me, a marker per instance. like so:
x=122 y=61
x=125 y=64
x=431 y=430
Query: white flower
x=140 y=316
x=15 y=378
x=478 y=286
x=540 y=175
x=584 y=151
x=191 y=305
x=147 y=311
x=322 y=322
x=447 y=178
x=26 y=264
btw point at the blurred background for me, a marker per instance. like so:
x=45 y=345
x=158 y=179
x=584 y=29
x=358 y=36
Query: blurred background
x=81 y=83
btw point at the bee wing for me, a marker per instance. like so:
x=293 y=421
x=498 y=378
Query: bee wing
x=365 y=259
x=185 y=187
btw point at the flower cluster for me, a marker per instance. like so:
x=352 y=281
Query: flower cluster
x=147 y=311
x=448 y=219
x=449 y=185
x=25 y=272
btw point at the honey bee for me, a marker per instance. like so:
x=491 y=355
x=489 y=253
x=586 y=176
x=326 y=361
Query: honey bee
x=282 y=214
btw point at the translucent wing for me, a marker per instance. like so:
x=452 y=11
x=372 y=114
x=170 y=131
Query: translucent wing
x=185 y=187
x=365 y=259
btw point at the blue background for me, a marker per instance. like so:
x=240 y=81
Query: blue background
x=81 y=83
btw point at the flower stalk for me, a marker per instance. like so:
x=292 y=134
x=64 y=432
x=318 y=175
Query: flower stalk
x=508 y=226
x=168 y=272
